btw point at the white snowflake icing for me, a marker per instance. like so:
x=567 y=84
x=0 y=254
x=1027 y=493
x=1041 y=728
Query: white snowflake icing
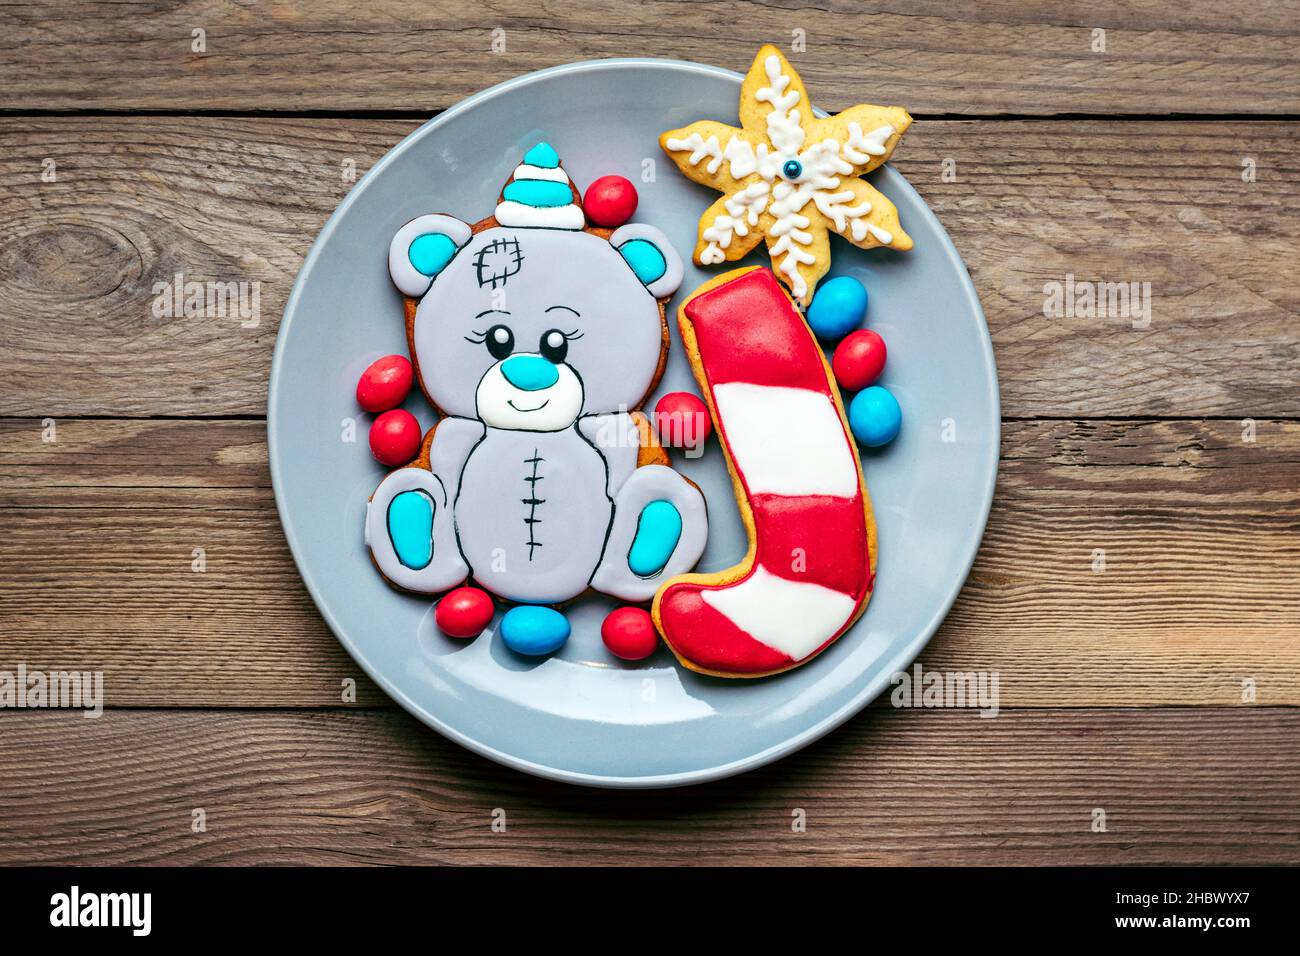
x=784 y=193
x=743 y=212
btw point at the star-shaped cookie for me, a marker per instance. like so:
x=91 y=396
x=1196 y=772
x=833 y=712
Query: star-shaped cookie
x=788 y=177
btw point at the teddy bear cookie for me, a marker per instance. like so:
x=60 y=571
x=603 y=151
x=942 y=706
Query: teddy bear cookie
x=535 y=336
x=789 y=177
x=809 y=570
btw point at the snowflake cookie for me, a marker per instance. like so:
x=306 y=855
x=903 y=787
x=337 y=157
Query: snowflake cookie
x=789 y=177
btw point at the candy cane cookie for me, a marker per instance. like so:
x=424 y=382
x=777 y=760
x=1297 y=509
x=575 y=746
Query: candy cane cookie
x=809 y=570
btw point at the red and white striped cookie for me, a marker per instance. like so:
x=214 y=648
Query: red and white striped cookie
x=809 y=570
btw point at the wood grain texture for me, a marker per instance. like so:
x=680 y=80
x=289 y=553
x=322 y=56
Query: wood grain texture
x=934 y=57
x=1125 y=443
x=1219 y=785
x=138 y=200
x=1199 y=529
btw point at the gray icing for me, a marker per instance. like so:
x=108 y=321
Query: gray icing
x=567 y=281
x=647 y=484
x=447 y=568
x=534 y=342
x=532 y=513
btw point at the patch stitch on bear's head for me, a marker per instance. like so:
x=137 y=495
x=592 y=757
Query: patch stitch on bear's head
x=498 y=261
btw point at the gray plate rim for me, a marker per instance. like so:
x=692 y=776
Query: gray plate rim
x=868 y=693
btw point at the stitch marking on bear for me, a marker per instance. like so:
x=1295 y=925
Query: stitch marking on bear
x=498 y=261
x=532 y=521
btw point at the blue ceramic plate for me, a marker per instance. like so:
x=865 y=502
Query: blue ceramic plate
x=580 y=715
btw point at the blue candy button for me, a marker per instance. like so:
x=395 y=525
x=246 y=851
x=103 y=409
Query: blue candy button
x=838 y=307
x=874 y=416
x=533 y=630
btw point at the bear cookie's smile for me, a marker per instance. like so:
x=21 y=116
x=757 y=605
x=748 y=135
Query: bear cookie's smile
x=522 y=384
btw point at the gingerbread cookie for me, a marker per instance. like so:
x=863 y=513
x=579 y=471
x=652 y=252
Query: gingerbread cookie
x=533 y=335
x=809 y=569
x=790 y=178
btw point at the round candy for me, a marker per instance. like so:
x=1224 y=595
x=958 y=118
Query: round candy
x=385 y=383
x=395 y=437
x=859 y=360
x=838 y=307
x=874 y=417
x=610 y=201
x=533 y=630
x=464 y=612
x=682 y=420
x=629 y=633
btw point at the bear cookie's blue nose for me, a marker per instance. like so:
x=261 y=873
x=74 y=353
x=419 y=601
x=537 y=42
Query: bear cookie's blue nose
x=532 y=373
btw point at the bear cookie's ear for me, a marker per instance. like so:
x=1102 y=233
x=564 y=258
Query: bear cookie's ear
x=649 y=254
x=421 y=249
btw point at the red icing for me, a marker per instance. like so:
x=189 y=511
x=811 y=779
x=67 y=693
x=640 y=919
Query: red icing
x=747 y=330
x=629 y=633
x=610 y=201
x=707 y=638
x=395 y=437
x=859 y=359
x=682 y=420
x=829 y=533
x=385 y=383
x=464 y=612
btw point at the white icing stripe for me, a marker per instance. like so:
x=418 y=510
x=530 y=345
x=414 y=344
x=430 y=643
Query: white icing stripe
x=793 y=617
x=511 y=213
x=524 y=171
x=786 y=441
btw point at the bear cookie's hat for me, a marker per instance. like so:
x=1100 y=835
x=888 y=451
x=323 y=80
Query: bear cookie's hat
x=540 y=194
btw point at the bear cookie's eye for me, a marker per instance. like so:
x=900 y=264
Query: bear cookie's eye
x=554 y=346
x=500 y=341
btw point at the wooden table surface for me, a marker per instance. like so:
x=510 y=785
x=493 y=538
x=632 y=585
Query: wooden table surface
x=1162 y=690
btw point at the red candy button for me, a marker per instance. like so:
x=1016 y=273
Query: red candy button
x=395 y=437
x=629 y=633
x=385 y=383
x=464 y=612
x=682 y=420
x=859 y=359
x=610 y=201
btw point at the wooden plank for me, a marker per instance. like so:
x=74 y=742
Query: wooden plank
x=223 y=199
x=1017 y=57
x=891 y=787
x=1199 y=530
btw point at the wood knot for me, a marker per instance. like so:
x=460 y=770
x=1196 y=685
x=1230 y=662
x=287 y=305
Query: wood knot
x=69 y=261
